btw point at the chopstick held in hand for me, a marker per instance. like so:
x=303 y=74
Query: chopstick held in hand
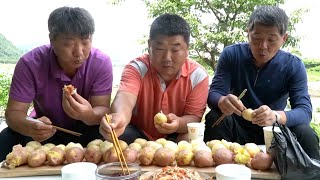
x=58 y=128
x=224 y=115
x=117 y=147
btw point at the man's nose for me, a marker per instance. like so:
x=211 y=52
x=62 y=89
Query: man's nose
x=263 y=44
x=78 y=50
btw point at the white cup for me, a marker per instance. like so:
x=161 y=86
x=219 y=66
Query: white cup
x=268 y=135
x=196 y=131
x=233 y=172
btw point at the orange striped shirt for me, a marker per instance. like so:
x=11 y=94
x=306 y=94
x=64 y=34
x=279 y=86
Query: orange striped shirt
x=186 y=95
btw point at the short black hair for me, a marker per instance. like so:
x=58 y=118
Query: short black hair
x=269 y=16
x=170 y=25
x=70 y=21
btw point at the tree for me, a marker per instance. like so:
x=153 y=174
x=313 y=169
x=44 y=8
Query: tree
x=216 y=24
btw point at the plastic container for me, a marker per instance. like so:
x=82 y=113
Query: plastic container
x=113 y=171
x=79 y=170
x=233 y=172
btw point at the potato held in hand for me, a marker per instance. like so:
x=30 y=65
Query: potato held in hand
x=160 y=118
x=247 y=114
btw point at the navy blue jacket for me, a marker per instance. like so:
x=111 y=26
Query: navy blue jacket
x=281 y=78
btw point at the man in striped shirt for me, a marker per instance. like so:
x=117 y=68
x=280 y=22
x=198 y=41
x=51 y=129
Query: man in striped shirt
x=162 y=80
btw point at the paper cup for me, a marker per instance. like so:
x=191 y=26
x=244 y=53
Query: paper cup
x=268 y=135
x=196 y=131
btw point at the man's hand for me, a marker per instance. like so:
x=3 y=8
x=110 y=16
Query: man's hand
x=230 y=104
x=76 y=106
x=41 y=131
x=170 y=126
x=118 y=123
x=263 y=116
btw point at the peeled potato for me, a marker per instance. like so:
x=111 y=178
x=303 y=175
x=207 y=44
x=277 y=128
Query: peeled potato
x=140 y=141
x=184 y=157
x=18 y=156
x=252 y=149
x=161 y=141
x=160 y=118
x=37 y=158
x=33 y=144
x=123 y=145
x=247 y=114
x=55 y=156
x=104 y=146
x=95 y=142
x=135 y=146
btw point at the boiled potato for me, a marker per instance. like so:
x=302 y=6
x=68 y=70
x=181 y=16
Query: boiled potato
x=95 y=142
x=234 y=146
x=55 y=156
x=223 y=156
x=140 y=141
x=173 y=146
x=252 y=149
x=247 y=114
x=164 y=157
x=123 y=145
x=110 y=155
x=37 y=158
x=203 y=159
x=184 y=145
x=61 y=146
x=47 y=147
x=135 y=146
x=72 y=145
x=152 y=144
x=104 y=146
x=130 y=155
x=161 y=141
x=213 y=142
x=242 y=156
x=217 y=146
x=33 y=144
x=146 y=155
x=160 y=118
x=261 y=161
x=184 y=157
x=93 y=154
x=18 y=156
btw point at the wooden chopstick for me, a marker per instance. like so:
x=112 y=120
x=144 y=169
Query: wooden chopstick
x=67 y=131
x=117 y=147
x=224 y=115
x=58 y=128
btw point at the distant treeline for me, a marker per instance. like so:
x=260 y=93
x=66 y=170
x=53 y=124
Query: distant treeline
x=9 y=53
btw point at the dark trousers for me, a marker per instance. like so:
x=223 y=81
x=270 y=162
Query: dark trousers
x=9 y=138
x=132 y=132
x=241 y=131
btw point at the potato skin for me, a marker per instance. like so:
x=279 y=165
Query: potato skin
x=164 y=157
x=261 y=161
x=223 y=156
x=130 y=155
x=18 y=156
x=74 y=154
x=146 y=155
x=203 y=158
x=55 y=156
x=93 y=154
x=37 y=158
x=184 y=157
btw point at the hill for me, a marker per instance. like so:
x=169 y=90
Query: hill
x=9 y=53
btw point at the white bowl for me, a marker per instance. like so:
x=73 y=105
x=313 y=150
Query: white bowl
x=233 y=172
x=79 y=170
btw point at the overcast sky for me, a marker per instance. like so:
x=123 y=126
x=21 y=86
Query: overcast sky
x=118 y=28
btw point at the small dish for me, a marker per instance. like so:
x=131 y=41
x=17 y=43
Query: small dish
x=113 y=171
x=78 y=170
x=233 y=172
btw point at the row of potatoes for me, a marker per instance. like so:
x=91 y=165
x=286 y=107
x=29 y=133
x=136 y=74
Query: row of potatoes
x=161 y=152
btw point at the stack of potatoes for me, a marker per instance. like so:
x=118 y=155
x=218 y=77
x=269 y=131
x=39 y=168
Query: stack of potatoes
x=161 y=152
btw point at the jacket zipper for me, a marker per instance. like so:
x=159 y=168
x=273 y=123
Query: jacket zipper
x=255 y=81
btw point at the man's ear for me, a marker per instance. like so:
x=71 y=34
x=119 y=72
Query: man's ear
x=285 y=37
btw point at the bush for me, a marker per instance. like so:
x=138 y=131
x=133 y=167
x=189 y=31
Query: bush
x=5 y=81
